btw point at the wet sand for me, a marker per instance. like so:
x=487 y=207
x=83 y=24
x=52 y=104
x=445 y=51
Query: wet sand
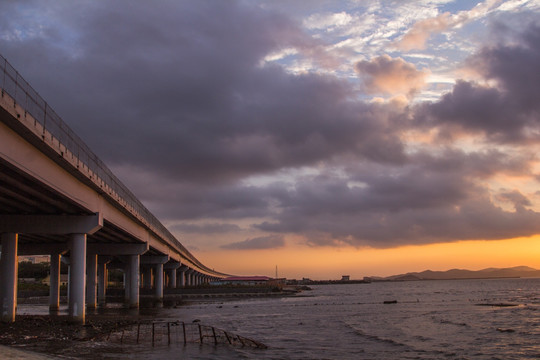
x=56 y=336
x=16 y=354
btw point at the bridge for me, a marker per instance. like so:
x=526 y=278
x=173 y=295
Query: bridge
x=58 y=198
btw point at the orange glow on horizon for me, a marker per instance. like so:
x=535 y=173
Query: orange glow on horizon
x=296 y=262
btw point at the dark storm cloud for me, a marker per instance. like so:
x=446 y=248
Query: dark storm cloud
x=263 y=242
x=433 y=198
x=506 y=112
x=516 y=198
x=178 y=88
x=212 y=228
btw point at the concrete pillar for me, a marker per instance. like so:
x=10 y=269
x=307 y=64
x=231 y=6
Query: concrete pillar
x=134 y=263
x=127 y=282
x=68 y=284
x=182 y=278
x=8 y=282
x=91 y=281
x=54 y=292
x=158 y=275
x=77 y=278
x=147 y=278
x=102 y=283
x=172 y=277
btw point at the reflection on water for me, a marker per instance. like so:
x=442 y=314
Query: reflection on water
x=404 y=320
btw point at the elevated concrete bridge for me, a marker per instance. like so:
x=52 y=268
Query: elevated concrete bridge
x=58 y=198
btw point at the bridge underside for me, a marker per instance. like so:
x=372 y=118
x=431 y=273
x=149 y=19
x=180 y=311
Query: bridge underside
x=25 y=196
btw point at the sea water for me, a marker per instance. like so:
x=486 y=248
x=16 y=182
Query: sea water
x=452 y=319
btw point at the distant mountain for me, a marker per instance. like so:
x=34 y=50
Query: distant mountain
x=489 y=273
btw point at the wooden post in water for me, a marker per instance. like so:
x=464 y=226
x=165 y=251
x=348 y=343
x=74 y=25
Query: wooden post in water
x=215 y=338
x=240 y=338
x=200 y=333
x=153 y=334
x=228 y=338
x=184 y=329
x=138 y=331
x=168 y=333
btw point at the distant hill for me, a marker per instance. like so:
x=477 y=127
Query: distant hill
x=489 y=273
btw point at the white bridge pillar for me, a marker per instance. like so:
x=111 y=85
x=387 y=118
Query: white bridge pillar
x=91 y=281
x=8 y=280
x=54 y=292
x=156 y=261
x=102 y=282
x=77 y=283
x=133 y=278
x=158 y=293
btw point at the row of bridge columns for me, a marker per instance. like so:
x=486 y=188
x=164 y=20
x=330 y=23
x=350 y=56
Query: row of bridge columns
x=87 y=279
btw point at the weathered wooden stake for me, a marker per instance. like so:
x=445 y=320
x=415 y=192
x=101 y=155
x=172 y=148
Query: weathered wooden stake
x=228 y=338
x=184 y=329
x=153 y=334
x=168 y=333
x=240 y=338
x=200 y=333
x=215 y=338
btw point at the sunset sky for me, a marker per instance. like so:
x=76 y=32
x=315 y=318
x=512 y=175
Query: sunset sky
x=322 y=137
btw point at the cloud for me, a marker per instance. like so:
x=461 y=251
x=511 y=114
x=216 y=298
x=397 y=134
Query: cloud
x=258 y=243
x=516 y=198
x=420 y=32
x=179 y=91
x=505 y=112
x=432 y=199
x=417 y=36
x=390 y=76
x=212 y=228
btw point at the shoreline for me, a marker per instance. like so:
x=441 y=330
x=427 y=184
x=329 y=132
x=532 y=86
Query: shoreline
x=49 y=336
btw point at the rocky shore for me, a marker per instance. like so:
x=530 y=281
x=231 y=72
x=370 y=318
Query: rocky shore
x=55 y=336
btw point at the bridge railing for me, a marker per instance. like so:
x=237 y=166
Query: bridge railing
x=24 y=95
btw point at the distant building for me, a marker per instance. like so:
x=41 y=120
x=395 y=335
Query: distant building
x=35 y=259
x=63 y=280
x=244 y=280
x=345 y=277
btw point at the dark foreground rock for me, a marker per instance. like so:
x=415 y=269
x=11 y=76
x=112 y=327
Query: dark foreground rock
x=56 y=336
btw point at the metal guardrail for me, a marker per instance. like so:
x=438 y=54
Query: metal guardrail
x=12 y=83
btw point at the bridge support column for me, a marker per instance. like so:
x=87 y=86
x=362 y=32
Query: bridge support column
x=171 y=267
x=182 y=278
x=77 y=278
x=134 y=263
x=126 y=283
x=158 y=277
x=91 y=281
x=182 y=275
x=54 y=292
x=102 y=283
x=172 y=279
x=8 y=282
x=147 y=277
